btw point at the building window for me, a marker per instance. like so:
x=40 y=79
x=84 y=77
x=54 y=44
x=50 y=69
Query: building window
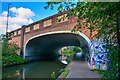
x=60 y=17
x=48 y=23
x=19 y=32
x=27 y=29
x=36 y=26
x=15 y=33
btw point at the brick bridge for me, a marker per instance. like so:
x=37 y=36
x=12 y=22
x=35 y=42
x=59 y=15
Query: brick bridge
x=48 y=36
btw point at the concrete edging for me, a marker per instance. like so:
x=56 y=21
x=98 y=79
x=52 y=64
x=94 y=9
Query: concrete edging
x=63 y=73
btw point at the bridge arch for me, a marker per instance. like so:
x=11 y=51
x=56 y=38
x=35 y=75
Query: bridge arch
x=42 y=45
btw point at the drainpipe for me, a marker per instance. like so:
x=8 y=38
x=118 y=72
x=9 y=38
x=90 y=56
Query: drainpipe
x=22 y=40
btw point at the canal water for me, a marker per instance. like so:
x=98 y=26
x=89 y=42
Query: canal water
x=38 y=69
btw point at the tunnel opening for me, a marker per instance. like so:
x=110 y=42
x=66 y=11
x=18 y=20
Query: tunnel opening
x=48 y=46
x=69 y=52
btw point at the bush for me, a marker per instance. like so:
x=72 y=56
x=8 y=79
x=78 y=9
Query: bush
x=70 y=53
x=9 y=48
x=12 y=59
x=9 y=54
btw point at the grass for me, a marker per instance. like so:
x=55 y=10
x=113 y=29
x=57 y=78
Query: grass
x=66 y=72
x=99 y=71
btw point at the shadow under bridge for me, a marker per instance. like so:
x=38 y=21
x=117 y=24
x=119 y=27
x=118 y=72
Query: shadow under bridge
x=47 y=46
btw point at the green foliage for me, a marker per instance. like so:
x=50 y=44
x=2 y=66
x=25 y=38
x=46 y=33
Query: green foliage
x=9 y=54
x=9 y=48
x=53 y=75
x=101 y=72
x=12 y=59
x=66 y=71
x=63 y=70
x=70 y=52
x=112 y=71
x=94 y=69
x=67 y=52
x=6 y=38
x=102 y=17
x=77 y=49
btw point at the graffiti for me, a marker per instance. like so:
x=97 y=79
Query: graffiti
x=99 y=55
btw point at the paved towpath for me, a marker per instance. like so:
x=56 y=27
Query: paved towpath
x=80 y=69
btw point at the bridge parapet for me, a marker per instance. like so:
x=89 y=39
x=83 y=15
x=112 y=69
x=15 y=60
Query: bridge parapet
x=47 y=23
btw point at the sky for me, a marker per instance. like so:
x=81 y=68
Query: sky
x=23 y=13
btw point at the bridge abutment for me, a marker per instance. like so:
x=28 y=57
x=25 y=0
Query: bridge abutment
x=22 y=41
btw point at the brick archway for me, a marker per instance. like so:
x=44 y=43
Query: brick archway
x=37 y=45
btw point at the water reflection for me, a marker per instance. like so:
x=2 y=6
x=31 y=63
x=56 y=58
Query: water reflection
x=39 y=69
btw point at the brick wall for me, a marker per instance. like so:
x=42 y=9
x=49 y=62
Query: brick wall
x=64 y=26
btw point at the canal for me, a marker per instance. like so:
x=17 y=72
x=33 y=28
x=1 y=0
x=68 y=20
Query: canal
x=38 y=69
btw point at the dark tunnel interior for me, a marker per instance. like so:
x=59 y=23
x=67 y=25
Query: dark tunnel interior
x=48 y=47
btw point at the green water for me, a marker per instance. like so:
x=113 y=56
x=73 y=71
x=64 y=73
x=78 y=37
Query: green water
x=39 y=69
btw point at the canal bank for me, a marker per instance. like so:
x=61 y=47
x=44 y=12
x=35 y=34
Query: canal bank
x=79 y=69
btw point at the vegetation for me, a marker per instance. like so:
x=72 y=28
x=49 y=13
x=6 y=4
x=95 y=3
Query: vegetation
x=53 y=75
x=70 y=52
x=63 y=70
x=9 y=53
x=66 y=71
x=102 y=17
x=76 y=49
x=101 y=72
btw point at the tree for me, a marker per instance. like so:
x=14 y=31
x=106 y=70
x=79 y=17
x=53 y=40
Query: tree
x=9 y=48
x=77 y=49
x=103 y=17
x=9 y=52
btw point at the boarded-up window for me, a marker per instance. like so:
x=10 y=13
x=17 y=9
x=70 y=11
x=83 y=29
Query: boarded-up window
x=19 y=32
x=27 y=29
x=48 y=23
x=36 y=26
x=65 y=19
x=15 y=33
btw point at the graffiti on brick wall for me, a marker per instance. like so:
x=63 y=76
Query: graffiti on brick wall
x=99 y=55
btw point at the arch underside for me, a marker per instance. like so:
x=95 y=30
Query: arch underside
x=48 y=46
